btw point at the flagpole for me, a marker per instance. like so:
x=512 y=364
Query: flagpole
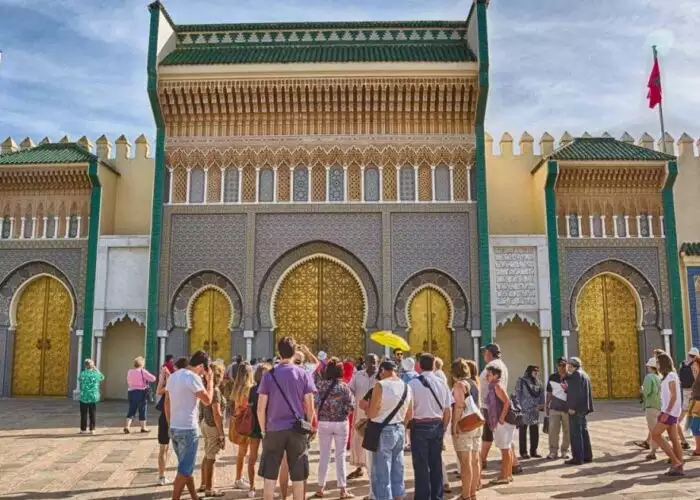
x=661 y=111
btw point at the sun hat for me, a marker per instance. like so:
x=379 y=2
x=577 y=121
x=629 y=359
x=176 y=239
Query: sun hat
x=652 y=363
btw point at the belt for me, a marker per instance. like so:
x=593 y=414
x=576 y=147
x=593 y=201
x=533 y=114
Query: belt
x=427 y=420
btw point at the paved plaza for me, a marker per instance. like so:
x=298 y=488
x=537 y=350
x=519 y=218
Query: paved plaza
x=44 y=458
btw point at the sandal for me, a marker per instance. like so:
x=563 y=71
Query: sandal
x=499 y=481
x=356 y=474
x=346 y=495
x=318 y=494
x=214 y=494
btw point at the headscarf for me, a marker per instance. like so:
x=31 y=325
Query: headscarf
x=533 y=384
x=348 y=371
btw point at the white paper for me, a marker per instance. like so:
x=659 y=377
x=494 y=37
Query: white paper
x=558 y=391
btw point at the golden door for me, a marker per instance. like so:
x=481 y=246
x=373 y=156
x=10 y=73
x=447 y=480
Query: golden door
x=607 y=317
x=430 y=332
x=42 y=340
x=211 y=317
x=320 y=304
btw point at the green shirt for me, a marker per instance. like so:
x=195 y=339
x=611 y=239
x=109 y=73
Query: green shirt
x=651 y=391
x=90 y=386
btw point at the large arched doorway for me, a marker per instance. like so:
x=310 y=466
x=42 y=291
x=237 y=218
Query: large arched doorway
x=606 y=312
x=42 y=339
x=320 y=304
x=211 y=324
x=123 y=341
x=521 y=345
x=429 y=320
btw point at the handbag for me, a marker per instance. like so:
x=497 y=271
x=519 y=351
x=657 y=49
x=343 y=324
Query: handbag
x=244 y=420
x=301 y=425
x=373 y=430
x=545 y=425
x=147 y=391
x=472 y=418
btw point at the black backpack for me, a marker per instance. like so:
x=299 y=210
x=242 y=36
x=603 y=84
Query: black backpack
x=686 y=375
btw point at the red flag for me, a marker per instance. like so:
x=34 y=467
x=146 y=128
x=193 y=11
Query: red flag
x=654 y=85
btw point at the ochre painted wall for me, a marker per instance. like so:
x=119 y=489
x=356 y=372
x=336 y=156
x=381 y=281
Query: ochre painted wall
x=108 y=179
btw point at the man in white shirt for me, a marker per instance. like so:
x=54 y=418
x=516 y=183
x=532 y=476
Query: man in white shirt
x=183 y=391
x=432 y=410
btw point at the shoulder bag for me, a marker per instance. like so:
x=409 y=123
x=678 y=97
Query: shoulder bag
x=147 y=390
x=373 y=430
x=301 y=425
x=244 y=420
x=472 y=418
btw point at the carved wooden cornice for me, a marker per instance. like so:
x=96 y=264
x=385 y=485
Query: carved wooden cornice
x=380 y=155
x=27 y=179
x=310 y=106
x=606 y=180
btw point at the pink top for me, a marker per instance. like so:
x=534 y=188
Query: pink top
x=137 y=379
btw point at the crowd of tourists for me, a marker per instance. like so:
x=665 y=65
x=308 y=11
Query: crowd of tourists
x=379 y=409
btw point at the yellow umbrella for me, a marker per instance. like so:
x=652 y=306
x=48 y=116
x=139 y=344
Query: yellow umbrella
x=391 y=340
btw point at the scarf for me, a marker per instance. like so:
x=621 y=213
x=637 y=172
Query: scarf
x=348 y=372
x=170 y=366
x=533 y=385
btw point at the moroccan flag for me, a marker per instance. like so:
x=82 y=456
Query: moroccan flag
x=654 y=85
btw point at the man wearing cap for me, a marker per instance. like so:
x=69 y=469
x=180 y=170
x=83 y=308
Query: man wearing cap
x=687 y=372
x=579 y=402
x=556 y=410
x=432 y=410
x=651 y=400
x=492 y=357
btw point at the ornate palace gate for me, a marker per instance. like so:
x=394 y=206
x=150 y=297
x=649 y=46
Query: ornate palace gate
x=429 y=320
x=607 y=318
x=211 y=320
x=321 y=304
x=42 y=340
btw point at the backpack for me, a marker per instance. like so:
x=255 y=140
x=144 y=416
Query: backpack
x=515 y=412
x=686 y=375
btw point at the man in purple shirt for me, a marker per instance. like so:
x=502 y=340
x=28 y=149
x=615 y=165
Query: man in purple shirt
x=285 y=396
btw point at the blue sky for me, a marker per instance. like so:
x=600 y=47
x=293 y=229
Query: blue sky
x=78 y=67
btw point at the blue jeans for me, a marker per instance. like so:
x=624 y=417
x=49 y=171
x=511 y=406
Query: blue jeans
x=426 y=448
x=137 y=401
x=387 y=464
x=185 y=443
x=580 y=440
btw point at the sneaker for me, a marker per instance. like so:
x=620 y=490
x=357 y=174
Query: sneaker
x=92 y=432
x=163 y=481
x=675 y=471
x=517 y=469
x=251 y=494
x=535 y=455
x=83 y=432
x=565 y=456
x=552 y=456
x=241 y=484
x=145 y=430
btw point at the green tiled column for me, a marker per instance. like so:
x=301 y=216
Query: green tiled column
x=93 y=238
x=552 y=237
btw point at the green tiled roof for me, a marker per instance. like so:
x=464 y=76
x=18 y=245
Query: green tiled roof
x=69 y=152
x=691 y=249
x=382 y=52
x=606 y=149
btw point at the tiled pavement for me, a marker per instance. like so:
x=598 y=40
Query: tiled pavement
x=43 y=458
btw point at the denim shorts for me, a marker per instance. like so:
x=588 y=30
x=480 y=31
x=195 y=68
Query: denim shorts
x=185 y=443
x=695 y=426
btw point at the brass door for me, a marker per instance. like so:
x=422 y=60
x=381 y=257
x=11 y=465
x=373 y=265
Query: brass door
x=211 y=315
x=607 y=315
x=42 y=340
x=430 y=316
x=320 y=304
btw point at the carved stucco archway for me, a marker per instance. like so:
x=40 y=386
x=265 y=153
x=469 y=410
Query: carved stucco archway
x=642 y=289
x=303 y=253
x=20 y=277
x=196 y=284
x=440 y=281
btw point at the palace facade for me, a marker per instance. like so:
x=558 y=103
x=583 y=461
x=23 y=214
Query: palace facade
x=327 y=180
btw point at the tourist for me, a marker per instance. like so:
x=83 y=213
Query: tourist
x=256 y=435
x=498 y=406
x=398 y=360
x=579 y=403
x=137 y=380
x=285 y=401
x=651 y=400
x=440 y=373
x=240 y=394
x=492 y=357
x=432 y=411
x=391 y=407
x=409 y=370
x=360 y=385
x=687 y=373
x=669 y=415
x=310 y=363
x=694 y=410
x=89 y=383
x=466 y=444
x=334 y=402
x=556 y=410
x=182 y=391
x=530 y=393
x=212 y=427
x=163 y=428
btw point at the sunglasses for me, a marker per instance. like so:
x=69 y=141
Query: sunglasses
x=297 y=362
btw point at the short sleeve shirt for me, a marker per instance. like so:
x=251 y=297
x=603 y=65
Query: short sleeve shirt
x=208 y=410
x=182 y=387
x=296 y=383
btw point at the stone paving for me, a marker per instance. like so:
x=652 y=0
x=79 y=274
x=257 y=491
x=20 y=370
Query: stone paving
x=43 y=458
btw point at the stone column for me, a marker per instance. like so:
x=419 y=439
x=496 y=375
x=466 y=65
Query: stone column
x=240 y=184
x=162 y=337
x=452 y=184
x=432 y=183
x=544 y=335
x=362 y=183
x=23 y=223
x=43 y=229
x=476 y=336
x=248 y=335
x=79 y=364
x=98 y=335
x=565 y=334
x=189 y=181
x=257 y=184
x=667 y=332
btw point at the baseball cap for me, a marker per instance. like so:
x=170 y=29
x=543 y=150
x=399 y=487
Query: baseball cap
x=494 y=349
x=562 y=360
x=387 y=365
x=575 y=362
x=694 y=352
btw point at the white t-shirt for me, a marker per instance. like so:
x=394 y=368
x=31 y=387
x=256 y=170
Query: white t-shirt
x=392 y=390
x=484 y=384
x=424 y=404
x=666 y=394
x=184 y=410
